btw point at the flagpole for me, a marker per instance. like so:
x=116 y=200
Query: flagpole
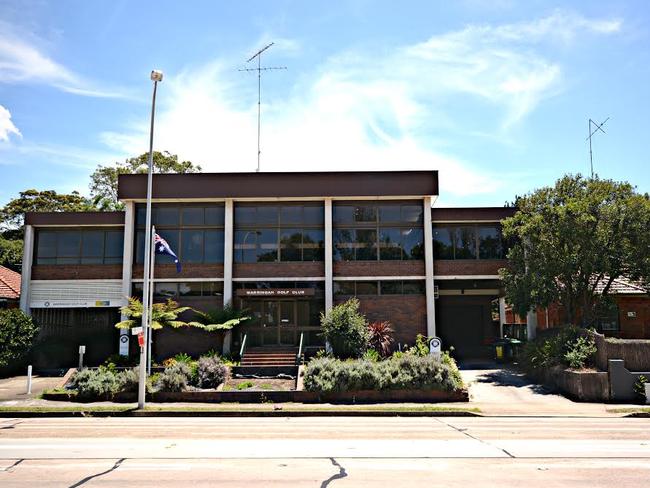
x=151 y=289
x=156 y=76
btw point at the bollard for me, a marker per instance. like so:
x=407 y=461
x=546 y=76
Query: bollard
x=29 y=379
x=82 y=350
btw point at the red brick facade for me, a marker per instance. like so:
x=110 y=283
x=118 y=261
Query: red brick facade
x=379 y=268
x=406 y=313
x=77 y=272
x=465 y=267
x=189 y=270
x=285 y=269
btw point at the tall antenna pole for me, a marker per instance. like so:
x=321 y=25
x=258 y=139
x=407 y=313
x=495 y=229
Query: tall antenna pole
x=599 y=127
x=259 y=70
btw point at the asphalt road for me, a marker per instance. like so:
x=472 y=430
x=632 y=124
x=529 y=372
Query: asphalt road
x=324 y=451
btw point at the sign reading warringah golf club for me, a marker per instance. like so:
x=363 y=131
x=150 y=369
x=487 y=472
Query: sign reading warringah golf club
x=276 y=292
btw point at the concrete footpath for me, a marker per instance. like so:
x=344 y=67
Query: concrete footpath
x=493 y=392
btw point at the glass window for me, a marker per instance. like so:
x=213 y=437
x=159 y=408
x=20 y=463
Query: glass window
x=166 y=216
x=391 y=287
x=171 y=236
x=389 y=213
x=344 y=244
x=267 y=215
x=465 y=247
x=245 y=246
x=114 y=247
x=214 y=215
x=213 y=246
x=390 y=247
x=414 y=287
x=245 y=215
x=290 y=245
x=190 y=289
x=365 y=213
x=193 y=216
x=291 y=215
x=165 y=290
x=443 y=243
x=412 y=243
x=68 y=244
x=93 y=244
x=46 y=249
x=412 y=213
x=192 y=246
x=343 y=288
x=213 y=288
x=267 y=244
x=366 y=245
x=367 y=288
x=489 y=243
x=314 y=215
x=313 y=245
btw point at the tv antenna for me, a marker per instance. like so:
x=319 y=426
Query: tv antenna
x=599 y=127
x=259 y=70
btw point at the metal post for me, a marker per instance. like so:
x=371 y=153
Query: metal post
x=155 y=76
x=29 y=379
x=151 y=289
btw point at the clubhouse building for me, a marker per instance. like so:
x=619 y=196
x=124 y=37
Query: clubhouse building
x=286 y=246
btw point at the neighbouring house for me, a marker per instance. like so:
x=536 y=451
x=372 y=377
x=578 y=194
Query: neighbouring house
x=9 y=288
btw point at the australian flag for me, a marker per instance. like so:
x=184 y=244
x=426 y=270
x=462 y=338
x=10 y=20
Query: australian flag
x=162 y=247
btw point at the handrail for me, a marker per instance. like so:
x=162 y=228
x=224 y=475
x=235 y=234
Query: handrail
x=299 y=355
x=243 y=347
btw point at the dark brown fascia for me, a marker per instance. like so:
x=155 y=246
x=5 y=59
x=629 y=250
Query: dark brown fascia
x=44 y=219
x=461 y=214
x=281 y=185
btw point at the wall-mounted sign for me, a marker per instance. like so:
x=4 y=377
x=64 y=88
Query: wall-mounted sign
x=435 y=347
x=276 y=292
x=631 y=314
x=71 y=303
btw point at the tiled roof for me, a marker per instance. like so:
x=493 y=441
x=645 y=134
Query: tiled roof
x=622 y=286
x=9 y=284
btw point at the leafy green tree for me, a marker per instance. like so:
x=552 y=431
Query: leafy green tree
x=11 y=253
x=346 y=329
x=224 y=319
x=162 y=315
x=103 y=185
x=17 y=334
x=571 y=241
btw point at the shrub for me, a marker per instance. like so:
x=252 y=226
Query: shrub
x=17 y=333
x=345 y=328
x=639 y=388
x=211 y=372
x=121 y=361
x=381 y=337
x=408 y=371
x=181 y=357
x=96 y=384
x=579 y=352
x=175 y=378
x=129 y=380
x=244 y=385
x=371 y=355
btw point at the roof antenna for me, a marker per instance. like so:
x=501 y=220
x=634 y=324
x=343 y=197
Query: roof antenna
x=259 y=70
x=599 y=127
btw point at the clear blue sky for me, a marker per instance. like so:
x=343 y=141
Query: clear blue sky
x=494 y=94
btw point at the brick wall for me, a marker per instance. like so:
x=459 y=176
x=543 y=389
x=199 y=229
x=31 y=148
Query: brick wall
x=634 y=327
x=379 y=268
x=189 y=270
x=450 y=267
x=261 y=270
x=76 y=271
x=406 y=313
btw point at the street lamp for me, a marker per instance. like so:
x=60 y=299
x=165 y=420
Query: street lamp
x=156 y=76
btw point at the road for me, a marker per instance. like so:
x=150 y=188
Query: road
x=325 y=451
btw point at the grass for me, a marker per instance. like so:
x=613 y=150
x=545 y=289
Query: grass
x=244 y=385
x=629 y=410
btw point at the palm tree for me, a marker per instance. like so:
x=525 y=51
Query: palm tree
x=224 y=319
x=162 y=315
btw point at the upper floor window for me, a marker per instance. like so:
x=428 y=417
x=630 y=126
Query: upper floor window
x=87 y=246
x=383 y=287
x=274 y=233
x=468 y=241
x=372 y=231
x=194 y=232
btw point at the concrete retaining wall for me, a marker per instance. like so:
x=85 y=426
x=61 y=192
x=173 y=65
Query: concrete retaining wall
x=584 y=386
x=635 y=352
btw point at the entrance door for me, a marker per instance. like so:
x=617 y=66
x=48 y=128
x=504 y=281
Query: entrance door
x=278 y=322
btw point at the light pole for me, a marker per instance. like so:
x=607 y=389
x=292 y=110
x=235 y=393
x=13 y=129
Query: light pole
x=156 y=76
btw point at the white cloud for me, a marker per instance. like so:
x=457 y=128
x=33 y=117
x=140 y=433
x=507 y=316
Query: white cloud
x=362 y=111
x=7 y=127
x=21 y=61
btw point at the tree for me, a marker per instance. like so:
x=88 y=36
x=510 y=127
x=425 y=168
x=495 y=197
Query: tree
x=571 y=241
x=12 y=215
x=162 y=315
x=103 y=185
x=346 y=329
x=17 y=333
x=221 y=319
x=11 y=253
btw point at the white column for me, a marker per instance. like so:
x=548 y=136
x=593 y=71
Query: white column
x=428 y=265
x=329 y=254
x=228 y=235
x=502 y=315
x=26 y=271
x=127 y=268
x=531 y=324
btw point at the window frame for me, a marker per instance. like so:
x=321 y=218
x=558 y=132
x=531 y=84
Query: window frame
x=454 y=230
x=77 y=258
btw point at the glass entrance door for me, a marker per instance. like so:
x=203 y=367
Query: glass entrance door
x=277 y=321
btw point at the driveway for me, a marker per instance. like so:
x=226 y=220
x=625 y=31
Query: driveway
x=15 y=387
x=505 y=391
